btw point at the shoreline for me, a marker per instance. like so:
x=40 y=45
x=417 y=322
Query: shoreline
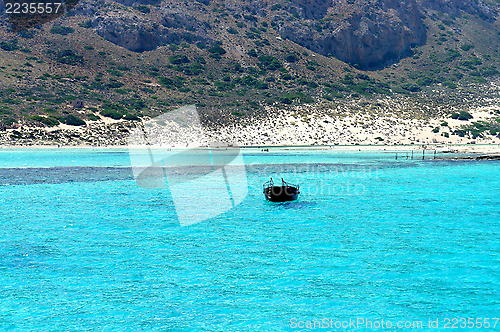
x=439 y=148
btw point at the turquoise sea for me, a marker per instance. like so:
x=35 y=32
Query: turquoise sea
x=83 y=248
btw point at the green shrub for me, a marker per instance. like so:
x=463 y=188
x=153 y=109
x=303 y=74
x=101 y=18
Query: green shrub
x=201 y=45
x=252 y=53
x=115 y=72
x=86 y=24
x=436 y=130
x=11 y=101
x=9 y=46
x=246 y=80
x=480 y=80
x=48 y=121
x=312 y=85
x=452 y=55
x=72 y=120
x=223 y=86
x=478 y=129
x=336 y=94
x=450 y=84
x=9 y=121
x=27 y=34
x=299 y=96
x=179 y=59
x=69 y=57
x=167 y=82
x=177 y=82
x=142 y=8
x=216 y=51
x=113 y=114
x=114 y=84
x=131 y=117
x=311 y=65
x=113 y=111
x=467 y=47
x=292 y=57
x=363 y=77
x=93 y=117
x=261 y=85
x=463 y=115
x=232 y=31
x=490 y=71
x=269 y=62
x=425 y=81
x=472 y=62
x=286 y=100
x=61 y=30
x=192 y=69
x=250 y=18
x=136 y=103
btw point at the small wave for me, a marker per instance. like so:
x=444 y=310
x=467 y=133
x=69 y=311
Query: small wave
x=296 y=205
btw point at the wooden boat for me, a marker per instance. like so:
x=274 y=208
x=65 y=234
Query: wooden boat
x=284 y=193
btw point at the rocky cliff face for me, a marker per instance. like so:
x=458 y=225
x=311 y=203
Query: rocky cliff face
x=372 y=35
x=369 y=34
x=128 y=32
x=486 y=11
x=145 y=31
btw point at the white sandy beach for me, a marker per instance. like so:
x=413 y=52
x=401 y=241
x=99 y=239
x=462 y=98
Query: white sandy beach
x=301 y=127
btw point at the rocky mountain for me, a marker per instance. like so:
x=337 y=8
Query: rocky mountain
x=370 y=34
x=129 y=59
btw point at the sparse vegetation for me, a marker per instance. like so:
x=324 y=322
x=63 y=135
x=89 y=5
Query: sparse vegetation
x=72 y=120
x=46 y=120
x=61 y=30
x=463 y=115
x=69 y=57
x=479 y=129
x=216 y=51
x=142 y=8
x=10 y=45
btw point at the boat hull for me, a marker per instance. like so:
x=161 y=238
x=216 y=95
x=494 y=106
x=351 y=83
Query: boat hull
x=281 y=194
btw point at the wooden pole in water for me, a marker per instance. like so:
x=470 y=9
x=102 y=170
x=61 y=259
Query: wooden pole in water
x=396 y=156
x=423 y=154
x=434 y=154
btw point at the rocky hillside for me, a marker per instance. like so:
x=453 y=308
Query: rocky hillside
x=368 y=34
x=130 y=59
